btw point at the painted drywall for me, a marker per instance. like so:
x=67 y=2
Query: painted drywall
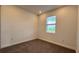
x=66 y=27
x=78 y=32
x=17 y=25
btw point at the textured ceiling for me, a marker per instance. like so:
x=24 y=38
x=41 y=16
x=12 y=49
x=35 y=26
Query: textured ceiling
x=36 y=8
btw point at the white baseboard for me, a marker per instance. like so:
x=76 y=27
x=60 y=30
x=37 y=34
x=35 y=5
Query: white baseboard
x=7 y=45
x=18 y=42
x=34 y=37
x=57 y=43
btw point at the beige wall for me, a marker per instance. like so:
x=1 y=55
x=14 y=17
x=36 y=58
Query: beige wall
x=66 y=27
x=17 y=25
x=78 y=32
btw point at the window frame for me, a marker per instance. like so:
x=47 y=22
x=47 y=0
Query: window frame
x=51 y=24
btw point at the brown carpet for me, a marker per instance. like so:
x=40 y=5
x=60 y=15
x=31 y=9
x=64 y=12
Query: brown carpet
x=36 y=46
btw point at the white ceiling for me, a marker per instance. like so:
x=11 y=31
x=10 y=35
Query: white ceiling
x=36 y=8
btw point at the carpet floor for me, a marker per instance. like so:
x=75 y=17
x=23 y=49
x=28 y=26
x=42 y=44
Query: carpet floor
x=36 y=46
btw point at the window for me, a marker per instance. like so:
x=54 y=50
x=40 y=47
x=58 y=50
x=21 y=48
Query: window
x=51 y=24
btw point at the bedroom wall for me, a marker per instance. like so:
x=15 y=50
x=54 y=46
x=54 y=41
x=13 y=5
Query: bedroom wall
x=78 y=32
x=17 y=25
x=66 y=27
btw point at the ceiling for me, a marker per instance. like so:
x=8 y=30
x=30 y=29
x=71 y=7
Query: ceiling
x=37 y=8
